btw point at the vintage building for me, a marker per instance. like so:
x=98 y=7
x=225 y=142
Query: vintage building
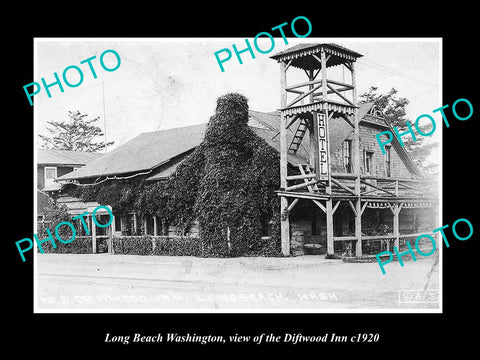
x=365 y=200
x=55 y=163
x=52 y=164
x=339 y=193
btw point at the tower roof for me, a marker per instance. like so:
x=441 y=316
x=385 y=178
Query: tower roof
x=301 y=55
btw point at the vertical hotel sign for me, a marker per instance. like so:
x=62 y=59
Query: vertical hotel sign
x=323 y=155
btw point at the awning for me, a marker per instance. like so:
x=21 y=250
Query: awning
x=76 y=206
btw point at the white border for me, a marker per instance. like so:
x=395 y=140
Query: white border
x=266 y=311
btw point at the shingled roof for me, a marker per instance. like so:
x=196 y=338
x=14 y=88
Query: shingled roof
x=142 y=153
x=149 y=151
x=65 y=157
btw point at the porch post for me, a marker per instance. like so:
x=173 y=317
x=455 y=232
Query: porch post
x=94 y=235
x=358 y=227
x=112 y=234
x=135 y=223
x=112 y=226
x=284 y=220
x=313 y=130
x=328 y=187
x=356 y=166
x=155 y=232
x=329 y=217
x=396 y=224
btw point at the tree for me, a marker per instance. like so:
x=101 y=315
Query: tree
x=78 y=134
x=393 y=108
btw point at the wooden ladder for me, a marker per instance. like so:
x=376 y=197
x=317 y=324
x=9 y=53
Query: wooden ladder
x=298 y=137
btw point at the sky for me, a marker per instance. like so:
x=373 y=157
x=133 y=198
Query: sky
x=173 y=82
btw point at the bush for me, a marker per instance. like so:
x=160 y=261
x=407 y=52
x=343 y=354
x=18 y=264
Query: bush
x=55 y=215
x=133 y=245
x=236 y=182
x=163 y=246
x=178 y=247
x=81 y=245
x=267 y=246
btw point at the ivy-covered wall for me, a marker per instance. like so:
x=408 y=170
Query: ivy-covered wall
x=227 y=184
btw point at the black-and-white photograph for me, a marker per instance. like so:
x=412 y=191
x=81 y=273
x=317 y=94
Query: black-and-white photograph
x=262 y=175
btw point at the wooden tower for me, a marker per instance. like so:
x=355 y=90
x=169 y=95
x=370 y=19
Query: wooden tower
x=319 y=100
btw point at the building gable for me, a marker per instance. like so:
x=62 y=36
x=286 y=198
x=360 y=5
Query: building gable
x=373 y=119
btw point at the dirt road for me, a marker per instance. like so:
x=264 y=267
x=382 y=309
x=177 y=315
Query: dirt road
x=103 y=283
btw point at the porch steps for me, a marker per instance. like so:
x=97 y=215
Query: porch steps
x=360 y=259
x=371 y=258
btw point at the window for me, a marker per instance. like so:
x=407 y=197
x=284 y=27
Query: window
x=40 y=218
x=150 y=225
x=347 y=155
x=50 y=175
x=102 y=219
x=131 y=224
x=81 y=229
x=118 y=223
x=388 y=165
x=266 y=225
x=162 y=228
x=367 y=162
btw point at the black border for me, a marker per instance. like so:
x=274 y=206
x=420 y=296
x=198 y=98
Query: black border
x=84 y=333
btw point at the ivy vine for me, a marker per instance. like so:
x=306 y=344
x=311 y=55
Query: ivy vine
x=227 y=184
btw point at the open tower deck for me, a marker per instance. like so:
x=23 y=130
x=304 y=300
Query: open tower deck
x=317 y=101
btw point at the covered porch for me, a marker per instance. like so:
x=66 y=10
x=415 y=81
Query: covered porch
x=388 y=212
x=99 y=238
